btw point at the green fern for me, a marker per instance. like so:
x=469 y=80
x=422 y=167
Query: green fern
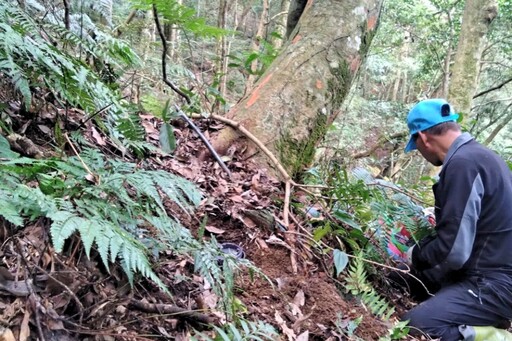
x=357 y=284
x=31 y=59
x=111 y=216
x=244 y=331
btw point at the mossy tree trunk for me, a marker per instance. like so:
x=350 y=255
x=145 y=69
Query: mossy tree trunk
x=301 y=93
x=477 y=16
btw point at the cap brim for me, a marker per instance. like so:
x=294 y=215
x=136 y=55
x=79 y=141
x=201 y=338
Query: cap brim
x=411 y=145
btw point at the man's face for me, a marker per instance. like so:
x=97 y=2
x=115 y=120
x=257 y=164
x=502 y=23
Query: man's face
x=427 y=149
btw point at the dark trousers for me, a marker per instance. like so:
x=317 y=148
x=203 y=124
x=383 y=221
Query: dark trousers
x=474 y=301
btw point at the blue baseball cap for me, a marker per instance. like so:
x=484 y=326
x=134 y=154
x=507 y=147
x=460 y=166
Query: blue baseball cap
x=426 y=114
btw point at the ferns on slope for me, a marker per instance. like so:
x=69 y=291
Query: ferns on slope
x=31 y=59
x=105 y=214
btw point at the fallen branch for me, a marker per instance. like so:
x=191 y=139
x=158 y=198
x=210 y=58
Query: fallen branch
x=237 y=126
x=205 y=141
x=178 y=312
x=289 y=228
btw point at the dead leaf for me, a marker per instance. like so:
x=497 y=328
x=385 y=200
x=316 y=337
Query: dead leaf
x=237 y=198
x=209 y=299
x=262 y=243
x=287 y=331
x=187 y=172
x=281 y=283
x=45 y=129
x=213 y=229
x=6 y=334
x=299 y=298
x=24 y=328
x=164 y=332
x=303 y=337
x=97 y=137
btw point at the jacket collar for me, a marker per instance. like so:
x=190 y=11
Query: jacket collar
x=459 y=142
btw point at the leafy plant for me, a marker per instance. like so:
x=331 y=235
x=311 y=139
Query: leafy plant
x=265 y=56
x=347 y=327
x=180 y=15
x=398 y=332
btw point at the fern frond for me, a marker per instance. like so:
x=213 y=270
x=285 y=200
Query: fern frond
x=8 y=210
x=181 y=191
x=247 y=330
x=357 y=284
x=64 y=224
x=145 y=186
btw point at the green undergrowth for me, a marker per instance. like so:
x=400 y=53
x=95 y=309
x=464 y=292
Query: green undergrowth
x=363 y=214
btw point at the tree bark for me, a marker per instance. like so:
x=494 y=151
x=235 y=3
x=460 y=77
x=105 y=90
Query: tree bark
x=294 y=102
x=477 y=16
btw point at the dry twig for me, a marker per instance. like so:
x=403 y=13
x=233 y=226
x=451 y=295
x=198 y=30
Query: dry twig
x=172 y=309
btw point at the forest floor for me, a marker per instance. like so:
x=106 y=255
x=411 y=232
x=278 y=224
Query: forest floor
x=75 y=298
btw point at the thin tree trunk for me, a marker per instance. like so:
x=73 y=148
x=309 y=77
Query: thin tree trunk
x=499 y=127
x=281 y=19
x=148 y=33
x=66 y=14
x=128 y=20
x=174 y=38
x=396 y=86
x=255 y=47
x=222 y=49
x=405 y=87
x=478 y=15
x=447 y=60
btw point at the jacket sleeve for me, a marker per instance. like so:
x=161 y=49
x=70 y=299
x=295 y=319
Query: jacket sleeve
x=460 y=205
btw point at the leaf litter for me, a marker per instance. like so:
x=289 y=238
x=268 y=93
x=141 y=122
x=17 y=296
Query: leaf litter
x=69 y=297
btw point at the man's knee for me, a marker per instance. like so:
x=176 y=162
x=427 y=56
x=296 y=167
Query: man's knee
x=423 y=322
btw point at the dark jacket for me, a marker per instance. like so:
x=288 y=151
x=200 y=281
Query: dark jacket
x=473 y=216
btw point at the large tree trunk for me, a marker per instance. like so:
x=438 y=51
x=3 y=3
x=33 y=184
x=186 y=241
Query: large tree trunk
x=478 y=14
x=301 y=93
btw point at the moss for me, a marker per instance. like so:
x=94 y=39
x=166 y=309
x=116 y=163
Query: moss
x=339 y=85
x=366 y=41
x=296 y=155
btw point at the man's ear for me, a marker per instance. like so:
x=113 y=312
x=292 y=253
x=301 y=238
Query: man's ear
x=424 y=138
